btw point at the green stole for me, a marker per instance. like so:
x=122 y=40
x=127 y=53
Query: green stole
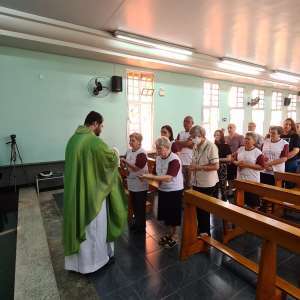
x=91 y=175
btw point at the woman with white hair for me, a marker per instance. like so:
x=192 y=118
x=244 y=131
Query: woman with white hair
x=136 y=162
x=170 y=179
x=249 y=161
x=204 y=167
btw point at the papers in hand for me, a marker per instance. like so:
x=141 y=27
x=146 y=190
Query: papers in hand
x=150 y=181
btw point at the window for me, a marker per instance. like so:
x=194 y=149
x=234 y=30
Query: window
x=258 y=110
x=236 y=104
x=292 y=107
x=140 y=106
x=276 y=113
x=210 y=111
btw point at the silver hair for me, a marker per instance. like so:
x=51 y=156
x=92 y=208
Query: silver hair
x=197 y=131
x=163 y=142
x=252 y=135
x=136 y=136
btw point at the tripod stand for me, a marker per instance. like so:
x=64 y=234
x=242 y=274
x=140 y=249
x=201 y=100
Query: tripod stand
x=14 y=155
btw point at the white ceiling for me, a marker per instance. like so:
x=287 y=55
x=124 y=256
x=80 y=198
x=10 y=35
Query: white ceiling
x=263 y=32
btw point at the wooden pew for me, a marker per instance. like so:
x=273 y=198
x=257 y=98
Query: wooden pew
x=280 y=177
x=277 y=195
x=273 y=233
x=286 y=176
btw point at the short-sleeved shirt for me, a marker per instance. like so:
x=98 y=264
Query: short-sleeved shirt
x=139 y=159
x=224 y=150
x=275 y=150
x=253 y=156
x=174 y=147
x=205 y=154
x=294 y=142
x=170 y=165
x=185 y=153
x=235 y=142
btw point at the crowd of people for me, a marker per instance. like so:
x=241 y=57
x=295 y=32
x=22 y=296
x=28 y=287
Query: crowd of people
x=95 y=202
x=193 y=161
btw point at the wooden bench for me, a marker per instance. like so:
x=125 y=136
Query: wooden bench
x=280 y=177
x=273 y=233
x=274 y=194
x=286 y=176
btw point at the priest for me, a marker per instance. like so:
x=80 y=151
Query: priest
x=95 y=209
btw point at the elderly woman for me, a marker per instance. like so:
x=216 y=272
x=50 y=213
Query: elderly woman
x=170 y=179
x=249 y=161
x=204 y=167
x=224 y=158
x=275 y=151
x=136 y=162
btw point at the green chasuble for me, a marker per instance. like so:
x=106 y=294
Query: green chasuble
x=91 y=175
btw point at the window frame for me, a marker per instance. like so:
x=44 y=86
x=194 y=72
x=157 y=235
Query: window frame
x=139 y=103
x=239 y=106
x=277 y=108
x=211 y=106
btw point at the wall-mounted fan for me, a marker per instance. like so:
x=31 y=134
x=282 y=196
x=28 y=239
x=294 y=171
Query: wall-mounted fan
x=254 y=101
x=99 y=86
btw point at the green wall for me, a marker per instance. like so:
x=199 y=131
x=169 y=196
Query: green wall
x=43 y=98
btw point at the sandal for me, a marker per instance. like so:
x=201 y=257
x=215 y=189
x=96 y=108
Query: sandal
x=163 y=240
x=170 y=243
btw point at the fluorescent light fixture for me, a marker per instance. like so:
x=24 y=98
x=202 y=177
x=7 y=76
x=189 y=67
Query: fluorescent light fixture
x=284 y=76
x=241 y=67
x=152 y=43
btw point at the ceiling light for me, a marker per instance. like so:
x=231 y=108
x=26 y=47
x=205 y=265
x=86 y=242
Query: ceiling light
x=241 y=67
x=152 y=43
x=283 y=76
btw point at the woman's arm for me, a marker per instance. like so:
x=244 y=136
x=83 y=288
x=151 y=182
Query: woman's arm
x=259 y=164
x=208 y=167
x=250 y=166
x=141 y=161
x=293 y=153
x=228 y=158
x=276 y=162
x=163 y=178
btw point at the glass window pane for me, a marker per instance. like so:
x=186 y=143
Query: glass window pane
x=237 y=118
x=292 y=114
x=210 y=94
x=236 y=97
x=276 y=118
x=146 y=125
x=258 y=119
x=140 y=113
x=206 y=115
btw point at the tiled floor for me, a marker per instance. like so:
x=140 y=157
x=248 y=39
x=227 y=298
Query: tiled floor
x=144 y=270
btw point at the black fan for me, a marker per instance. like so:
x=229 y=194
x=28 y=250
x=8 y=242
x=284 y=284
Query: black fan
x=254 y=101
x=99 y=87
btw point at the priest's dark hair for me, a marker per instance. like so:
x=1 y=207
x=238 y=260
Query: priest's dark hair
x=92 y=117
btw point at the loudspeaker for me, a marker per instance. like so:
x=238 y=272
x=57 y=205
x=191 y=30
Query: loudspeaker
x=116 y=84
x=287 y=101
